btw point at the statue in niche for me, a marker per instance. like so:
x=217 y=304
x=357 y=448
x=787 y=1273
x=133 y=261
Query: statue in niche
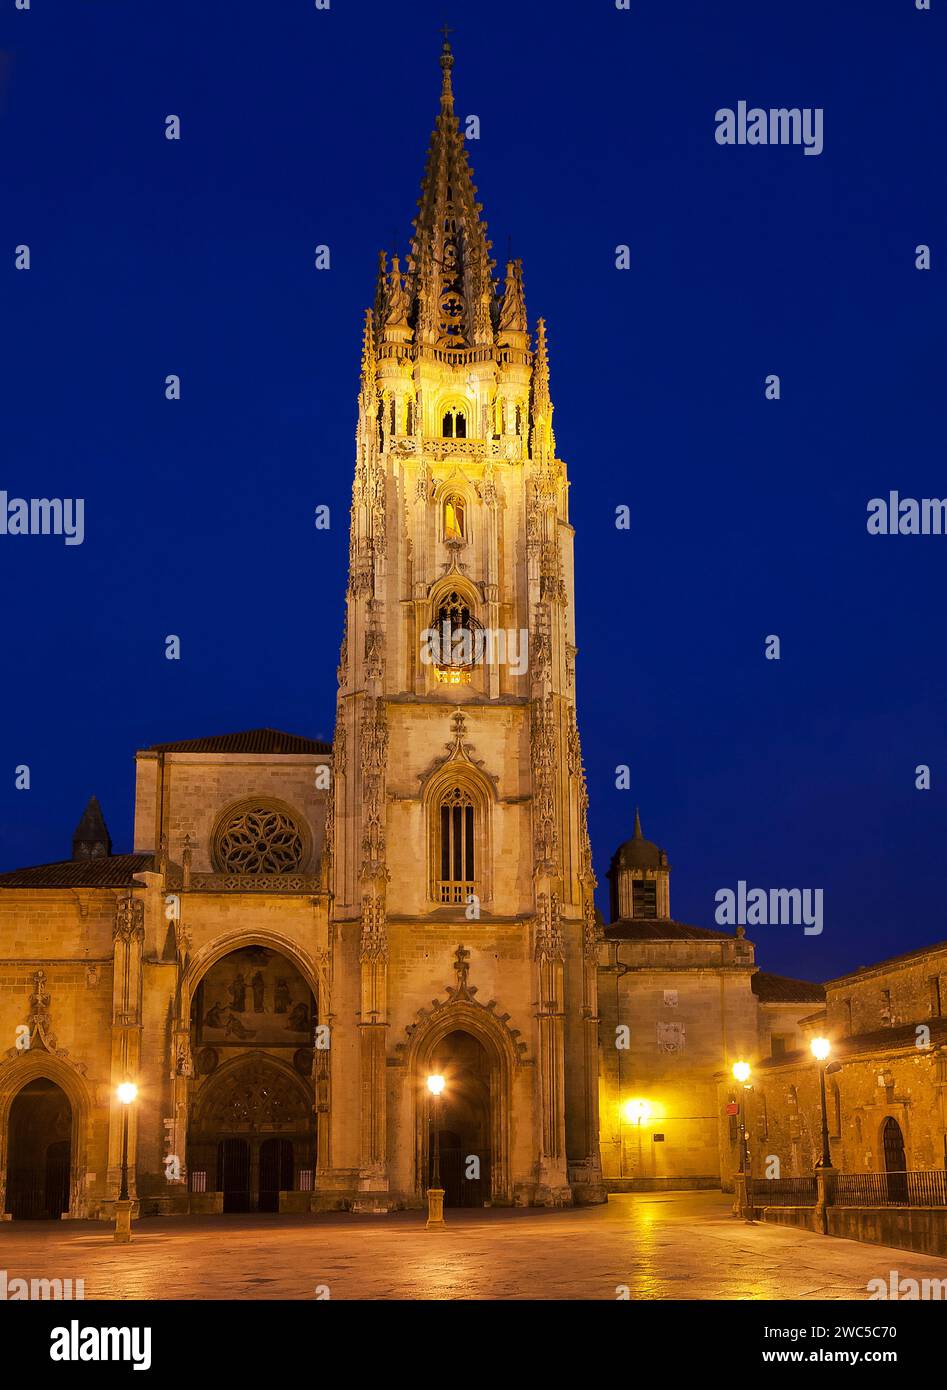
x=282 y=998
x=256 y=984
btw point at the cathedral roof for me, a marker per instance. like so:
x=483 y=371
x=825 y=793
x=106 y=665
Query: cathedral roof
x=248 y=741
x=781 y=989
x=879 y=1040
x=113 y=871
x=638 y=853
x=660 y=929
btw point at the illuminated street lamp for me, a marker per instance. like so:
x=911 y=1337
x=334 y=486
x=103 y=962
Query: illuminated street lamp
x=741 y=1074
x=637 y=1112
x=435 y=1193
x=126 y=1093
x=820 y=1049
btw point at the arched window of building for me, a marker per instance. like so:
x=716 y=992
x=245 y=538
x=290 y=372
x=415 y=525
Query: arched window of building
x=835 y=1113
x=410 y=423
x=454 y=423
x=458 y=637
x=456 y=857
x=393 y=426
x=455 y=518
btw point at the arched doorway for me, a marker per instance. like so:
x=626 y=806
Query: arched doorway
x=462 y=1123
x=895 y=1161
x=252 y=1132
x=252 y=1124
x=39 y=1165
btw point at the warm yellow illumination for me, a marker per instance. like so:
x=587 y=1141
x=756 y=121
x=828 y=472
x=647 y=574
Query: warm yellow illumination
x=127 y=1092
x=453 y=520
x=435 y=1085
x=820 y=1047
x=741 y=1072
x=637 y=1112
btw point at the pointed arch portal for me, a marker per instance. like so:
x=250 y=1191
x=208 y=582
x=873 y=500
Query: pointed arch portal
x=462 y=1127
x=469 y=1046
x=39 y=1166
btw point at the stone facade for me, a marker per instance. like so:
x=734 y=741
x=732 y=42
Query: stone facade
x=304 y=933
x=678 y=1005
x=886 y=1100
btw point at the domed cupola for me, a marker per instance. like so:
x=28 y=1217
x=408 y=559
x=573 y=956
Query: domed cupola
x=638 y=876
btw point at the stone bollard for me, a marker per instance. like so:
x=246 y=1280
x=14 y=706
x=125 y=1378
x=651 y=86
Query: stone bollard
x=123 y=1222
x=435 y=1209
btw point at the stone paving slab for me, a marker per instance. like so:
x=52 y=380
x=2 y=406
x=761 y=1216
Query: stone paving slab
x=668 y=1246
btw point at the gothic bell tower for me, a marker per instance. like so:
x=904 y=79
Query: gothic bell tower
x=464 y=935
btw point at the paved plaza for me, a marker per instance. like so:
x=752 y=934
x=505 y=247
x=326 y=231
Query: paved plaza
x=662 y=1246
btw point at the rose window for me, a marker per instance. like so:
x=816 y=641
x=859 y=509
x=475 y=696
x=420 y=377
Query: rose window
x=259 y=840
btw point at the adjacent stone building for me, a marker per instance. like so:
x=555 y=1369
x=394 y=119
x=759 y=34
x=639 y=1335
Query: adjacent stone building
x=678 y=1005
x=886 y=1077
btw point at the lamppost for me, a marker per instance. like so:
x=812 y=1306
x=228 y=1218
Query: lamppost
x=820 y=1049
x=435 y=1193
x=741 y=1075
x=123 y=1207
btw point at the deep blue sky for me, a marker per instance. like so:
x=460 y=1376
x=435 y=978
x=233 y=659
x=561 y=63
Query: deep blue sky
x=748 y=517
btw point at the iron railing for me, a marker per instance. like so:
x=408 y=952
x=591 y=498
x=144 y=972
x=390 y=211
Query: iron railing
x=916 y=1188
x=782 y=1192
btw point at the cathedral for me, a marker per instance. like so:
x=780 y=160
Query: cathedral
x=304 y=933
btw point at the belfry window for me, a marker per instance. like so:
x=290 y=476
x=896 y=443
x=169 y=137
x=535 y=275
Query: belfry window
x=455 y=518
x=456 y=640
x=454 y=423
x=644 y=897
x=456 y=866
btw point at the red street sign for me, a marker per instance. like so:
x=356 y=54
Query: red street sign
x=732 y=1108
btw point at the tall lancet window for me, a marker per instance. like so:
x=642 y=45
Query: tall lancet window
x=456 y=857
x=455 y=518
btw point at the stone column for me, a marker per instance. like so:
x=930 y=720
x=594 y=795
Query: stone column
x=128 y=933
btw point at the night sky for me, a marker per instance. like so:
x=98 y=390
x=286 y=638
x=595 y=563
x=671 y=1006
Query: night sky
x=748 y=516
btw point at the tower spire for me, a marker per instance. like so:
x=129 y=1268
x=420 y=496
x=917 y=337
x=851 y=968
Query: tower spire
x=447 y=62
x=449 y=264
x=543 y=441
